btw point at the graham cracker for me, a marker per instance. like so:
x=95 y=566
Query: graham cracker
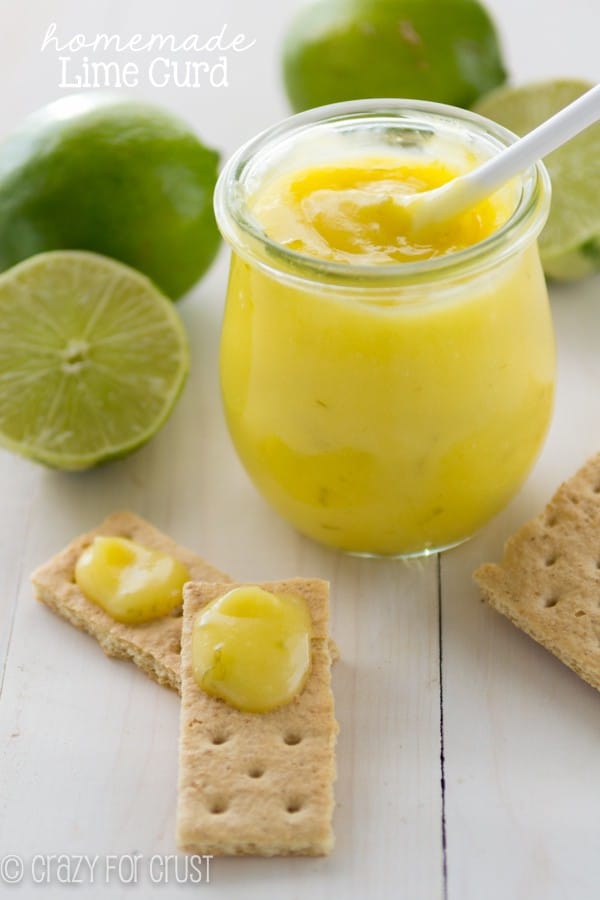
x=548 y=583
x=152 y=646
x=258 y=784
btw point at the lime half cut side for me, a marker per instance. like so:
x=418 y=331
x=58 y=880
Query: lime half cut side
x=92 y=359
x=570 y=242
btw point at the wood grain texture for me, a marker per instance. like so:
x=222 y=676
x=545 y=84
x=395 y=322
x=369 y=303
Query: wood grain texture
x=89 y=746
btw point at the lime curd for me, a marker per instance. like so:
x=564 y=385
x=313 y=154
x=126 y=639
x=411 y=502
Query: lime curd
x=345 y=211
x=387 y=392
x=131 y=582
x=251 y=648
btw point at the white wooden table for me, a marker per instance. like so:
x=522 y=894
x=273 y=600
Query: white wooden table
x=469 y=759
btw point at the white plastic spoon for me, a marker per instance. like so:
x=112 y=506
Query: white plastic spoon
x=444 y=203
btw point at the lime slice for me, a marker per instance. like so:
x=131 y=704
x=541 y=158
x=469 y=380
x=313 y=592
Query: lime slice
x=92 y=359
x=570 y=242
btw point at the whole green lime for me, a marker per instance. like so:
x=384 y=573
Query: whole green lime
x=443 y=50
x=115 y=176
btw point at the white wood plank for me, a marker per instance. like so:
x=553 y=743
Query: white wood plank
x=521 y=730
x=18 y=509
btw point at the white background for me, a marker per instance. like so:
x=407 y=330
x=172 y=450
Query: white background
x=89 y=745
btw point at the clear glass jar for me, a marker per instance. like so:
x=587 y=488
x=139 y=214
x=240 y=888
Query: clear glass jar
x=394 y=409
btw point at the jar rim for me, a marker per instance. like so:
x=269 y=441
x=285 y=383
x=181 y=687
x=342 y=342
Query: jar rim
x=247 y=239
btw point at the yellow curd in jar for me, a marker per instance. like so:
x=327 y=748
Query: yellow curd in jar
x=384 y=419
x=346 y=213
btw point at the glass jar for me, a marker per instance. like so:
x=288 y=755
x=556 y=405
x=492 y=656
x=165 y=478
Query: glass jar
x=393 y=409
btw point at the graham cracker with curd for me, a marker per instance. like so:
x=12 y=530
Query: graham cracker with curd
x=258 y=783
x=548 y=583
x=152 y=646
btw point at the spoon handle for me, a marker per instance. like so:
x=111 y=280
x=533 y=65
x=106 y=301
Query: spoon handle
x=553 y=133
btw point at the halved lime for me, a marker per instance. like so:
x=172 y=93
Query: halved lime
x=92 y=359
x=570 y=242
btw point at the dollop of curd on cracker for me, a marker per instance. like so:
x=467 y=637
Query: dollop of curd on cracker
x=251 y=648
x=132 y=583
